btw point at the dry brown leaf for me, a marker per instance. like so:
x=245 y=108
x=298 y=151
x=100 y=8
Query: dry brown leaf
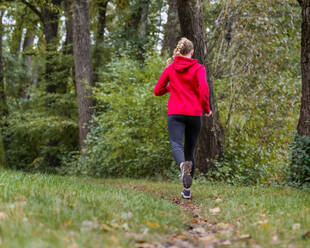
x=194 y=221
x=214 y=211
x=152 y=224
x=180 y=237
x=106 y=227
x=68 y=223
x=208 y=239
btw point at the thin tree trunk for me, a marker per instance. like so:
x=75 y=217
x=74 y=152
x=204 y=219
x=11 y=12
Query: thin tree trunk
x=211 y=140
x=172 y=28
x=29 y=79
x=69 y=37
x=98 y=56
x=144 y=15
x=303 y=127
x=83 y=66
x=3 y=104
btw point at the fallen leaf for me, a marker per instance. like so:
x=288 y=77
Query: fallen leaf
x=152 y=224
x=3 y=215
x=180 y=237
x=199 y=230
x=68 y=223
x=296 y=226
x=226 y=242
x=245 y=236
x=194 y=221
x=306 y=235
x=208 y=239
x=214 y=211
x=106 y=227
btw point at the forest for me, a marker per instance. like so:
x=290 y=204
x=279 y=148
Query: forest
x=84 y=147
x=77 y=83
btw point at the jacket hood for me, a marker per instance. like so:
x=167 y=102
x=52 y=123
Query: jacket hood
x=181 y=64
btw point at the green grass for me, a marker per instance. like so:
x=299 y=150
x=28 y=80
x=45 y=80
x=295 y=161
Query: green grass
x=267 y=214
x=51 y=211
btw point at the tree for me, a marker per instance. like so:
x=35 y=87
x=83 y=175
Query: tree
x=3 y=104
x=172 y=28
x=48 y=14
x=102 y=10
x=211 y=140
x=303 y=127
x=83 y=66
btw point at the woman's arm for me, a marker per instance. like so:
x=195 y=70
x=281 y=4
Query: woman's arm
x=162 y=86
x=203 y=90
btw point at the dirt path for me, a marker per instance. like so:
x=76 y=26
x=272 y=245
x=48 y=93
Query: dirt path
x=200 y=232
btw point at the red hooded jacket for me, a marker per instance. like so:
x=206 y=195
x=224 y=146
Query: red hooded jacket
x=186 y=81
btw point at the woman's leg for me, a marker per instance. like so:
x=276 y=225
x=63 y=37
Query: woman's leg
x=192 y=130
x=176 y=127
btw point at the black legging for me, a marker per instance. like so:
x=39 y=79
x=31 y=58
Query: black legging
x=177 y=126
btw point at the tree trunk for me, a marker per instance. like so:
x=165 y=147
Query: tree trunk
x=211 y=140
x=68 y=50
x=83 y=66
x=3 y=105
x=49 y=16
x=29 y=78
x=102 y=10
x=144 y=15
x=172 y=29
x=303 y=127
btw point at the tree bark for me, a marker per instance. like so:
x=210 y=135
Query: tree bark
x=211 y=140
x=303 y=127
x=83 y=66
x=30 y=77
x=102 y=10
x=49 y=16
x=3 y=104
x=143 y=21
x=68 y=49
x=172 y=29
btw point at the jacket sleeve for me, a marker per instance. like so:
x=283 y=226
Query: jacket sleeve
x=203 y=90
x=162 y=86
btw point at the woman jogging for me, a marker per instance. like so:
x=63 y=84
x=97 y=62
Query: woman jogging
x=185 y=79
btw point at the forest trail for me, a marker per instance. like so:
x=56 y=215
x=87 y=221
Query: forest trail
x=200 y=232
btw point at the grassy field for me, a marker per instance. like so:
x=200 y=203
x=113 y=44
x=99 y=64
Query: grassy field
x=52 y=211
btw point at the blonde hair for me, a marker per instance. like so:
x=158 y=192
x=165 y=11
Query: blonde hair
x=183 y=47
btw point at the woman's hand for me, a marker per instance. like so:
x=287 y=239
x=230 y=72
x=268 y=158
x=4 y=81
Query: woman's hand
x=208 y=115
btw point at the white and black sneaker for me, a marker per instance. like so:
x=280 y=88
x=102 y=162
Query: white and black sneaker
x=186 y=193
x=186 y=168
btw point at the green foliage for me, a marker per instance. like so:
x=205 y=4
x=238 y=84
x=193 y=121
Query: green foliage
x=2 y=153
x=36 y=137
x=129 y=136
x=299 y=169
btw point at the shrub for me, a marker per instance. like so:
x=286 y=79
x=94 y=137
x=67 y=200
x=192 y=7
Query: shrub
x=299 y=170
x=129 y=135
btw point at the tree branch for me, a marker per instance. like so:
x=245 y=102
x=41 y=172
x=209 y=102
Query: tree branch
x=34 y=9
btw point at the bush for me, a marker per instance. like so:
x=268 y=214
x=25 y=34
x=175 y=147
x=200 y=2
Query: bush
x=299 y=170
x=129 y=135
x=37 y=137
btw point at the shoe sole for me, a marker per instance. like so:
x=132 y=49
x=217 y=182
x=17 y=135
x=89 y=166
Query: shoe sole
x=187 y=178
x=186 y=197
